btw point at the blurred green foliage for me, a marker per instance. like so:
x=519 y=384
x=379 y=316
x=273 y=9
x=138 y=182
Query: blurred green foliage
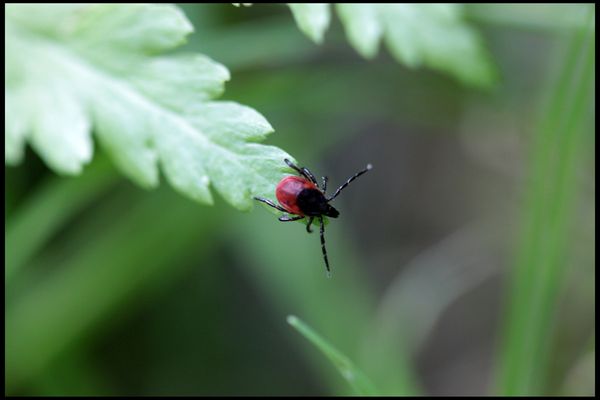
x=540 y=264
x=111 y=289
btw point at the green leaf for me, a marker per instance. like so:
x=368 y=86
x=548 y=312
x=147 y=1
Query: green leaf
x=363 y=27
x=430 y=35
x=312 y=19
x=74 y=69
x=435 y=36
x=357 y=380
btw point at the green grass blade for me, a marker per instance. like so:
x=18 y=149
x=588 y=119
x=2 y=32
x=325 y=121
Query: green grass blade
x=359 y=383
x=536 y=279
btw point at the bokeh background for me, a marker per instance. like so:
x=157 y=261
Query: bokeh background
x=146 y=293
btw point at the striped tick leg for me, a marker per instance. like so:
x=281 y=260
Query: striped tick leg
x=310 y=221
x=323 y=245
x=302 y=171
x=353 y=177
x=270 y=203
x=287 y=218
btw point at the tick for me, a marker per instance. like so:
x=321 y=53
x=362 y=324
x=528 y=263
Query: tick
x=302 y=197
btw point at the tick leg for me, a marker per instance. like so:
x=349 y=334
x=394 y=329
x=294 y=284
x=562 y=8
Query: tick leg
x=270 y=203
x=323 y=245
x=302 y=171
x=325 y=179
x=287 y=218
x=310 y=221
x=310 y=175
x=348 y=182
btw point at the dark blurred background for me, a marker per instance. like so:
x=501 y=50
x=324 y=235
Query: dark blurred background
x=147 y=293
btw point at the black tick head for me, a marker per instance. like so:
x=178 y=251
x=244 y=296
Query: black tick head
x=313 y=203
x=331 y=212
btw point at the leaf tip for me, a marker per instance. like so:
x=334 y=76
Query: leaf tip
x=186 y=25
x=312 y=19
x=292 y=320
x=316 y=37
x=225 y=75
x=369 y=53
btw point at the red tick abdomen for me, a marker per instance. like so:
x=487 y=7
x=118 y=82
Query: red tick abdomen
x=287 y=192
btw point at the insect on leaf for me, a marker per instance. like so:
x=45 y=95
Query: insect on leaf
x=71 y=70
